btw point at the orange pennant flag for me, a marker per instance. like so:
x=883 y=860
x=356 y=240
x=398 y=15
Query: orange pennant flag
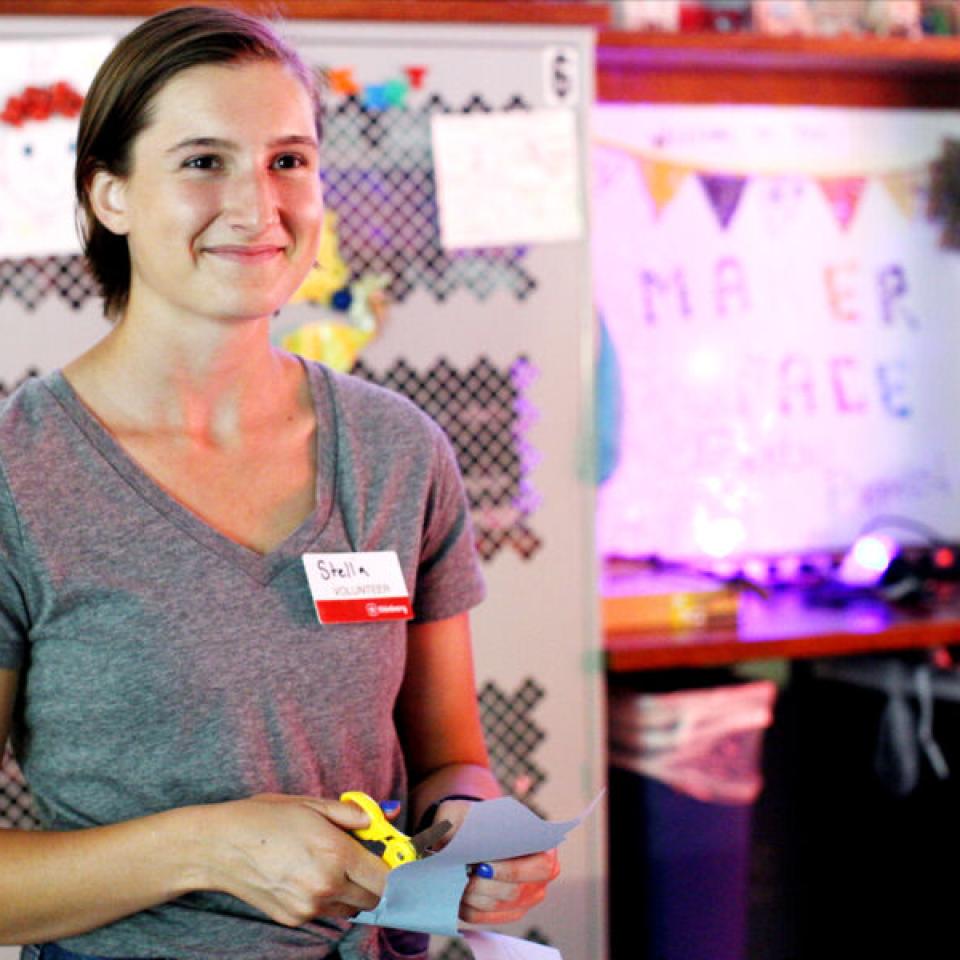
x=662 y=180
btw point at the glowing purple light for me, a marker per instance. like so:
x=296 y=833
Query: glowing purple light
x=867 y=559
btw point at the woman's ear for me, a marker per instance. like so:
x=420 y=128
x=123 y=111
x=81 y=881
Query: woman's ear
x=107 y=195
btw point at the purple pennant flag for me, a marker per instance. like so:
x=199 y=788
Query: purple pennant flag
x=723 y=191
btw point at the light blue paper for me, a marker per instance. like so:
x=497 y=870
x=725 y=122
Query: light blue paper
x=425 y=895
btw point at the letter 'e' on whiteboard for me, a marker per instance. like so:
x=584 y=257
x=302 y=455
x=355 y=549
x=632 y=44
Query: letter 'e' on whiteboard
x=507 y=179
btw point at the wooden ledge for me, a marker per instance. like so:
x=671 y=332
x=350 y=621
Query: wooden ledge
x=550 y=12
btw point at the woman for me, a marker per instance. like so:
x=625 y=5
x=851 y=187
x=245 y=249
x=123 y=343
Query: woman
x=184 y=721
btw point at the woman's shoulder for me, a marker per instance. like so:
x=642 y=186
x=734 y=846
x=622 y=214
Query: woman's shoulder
x=26 y=409
x=372 y=406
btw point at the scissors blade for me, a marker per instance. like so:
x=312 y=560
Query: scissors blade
x=423 y=842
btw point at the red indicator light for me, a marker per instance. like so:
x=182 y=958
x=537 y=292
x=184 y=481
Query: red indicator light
x=943 y=558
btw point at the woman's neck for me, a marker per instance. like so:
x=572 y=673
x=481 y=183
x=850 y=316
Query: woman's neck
x=209 y=382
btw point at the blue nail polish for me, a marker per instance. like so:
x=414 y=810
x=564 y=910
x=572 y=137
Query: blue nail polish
x=483 y=870
x=390 y=806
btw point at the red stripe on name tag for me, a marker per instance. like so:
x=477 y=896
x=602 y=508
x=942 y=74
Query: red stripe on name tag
x=364 y=611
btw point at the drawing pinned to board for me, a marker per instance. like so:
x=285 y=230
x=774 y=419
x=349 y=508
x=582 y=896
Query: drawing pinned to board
x=788 y=367
x=524 y=165
x=41 y=90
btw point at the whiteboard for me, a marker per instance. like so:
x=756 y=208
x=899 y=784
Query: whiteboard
x=784 y=323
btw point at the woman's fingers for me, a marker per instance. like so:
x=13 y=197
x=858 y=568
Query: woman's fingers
x=507 y=889
x=293 y=859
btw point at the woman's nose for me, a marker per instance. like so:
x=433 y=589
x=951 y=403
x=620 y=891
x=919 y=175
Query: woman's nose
x=251 y=202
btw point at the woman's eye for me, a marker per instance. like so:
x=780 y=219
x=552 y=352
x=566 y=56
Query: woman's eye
x=289 y=161
x=206 y=161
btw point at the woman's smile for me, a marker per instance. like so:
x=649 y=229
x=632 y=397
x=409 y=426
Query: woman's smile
x=245 y=254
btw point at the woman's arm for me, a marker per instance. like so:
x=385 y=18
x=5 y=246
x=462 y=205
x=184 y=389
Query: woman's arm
x=289 y=857
x=439 y=723
x=438 y=718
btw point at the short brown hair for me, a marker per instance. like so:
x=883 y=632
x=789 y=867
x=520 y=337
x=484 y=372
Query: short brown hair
x=117 y=109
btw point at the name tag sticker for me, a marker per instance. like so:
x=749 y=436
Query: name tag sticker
x=357 y=587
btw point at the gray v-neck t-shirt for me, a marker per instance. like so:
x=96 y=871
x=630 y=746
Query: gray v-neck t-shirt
x=162 y=664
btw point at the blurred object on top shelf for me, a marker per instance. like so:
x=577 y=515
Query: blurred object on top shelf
x=718 y=16
x=832 y=18
x=783 y=18
x=888 y=18
x=894 y=18
x=646 y=15
x=940 y=17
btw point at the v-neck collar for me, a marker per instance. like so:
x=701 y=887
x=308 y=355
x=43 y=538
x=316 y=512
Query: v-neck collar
x=262 y=567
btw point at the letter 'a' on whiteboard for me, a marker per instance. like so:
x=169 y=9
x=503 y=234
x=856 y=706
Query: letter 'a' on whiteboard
x=507 y=179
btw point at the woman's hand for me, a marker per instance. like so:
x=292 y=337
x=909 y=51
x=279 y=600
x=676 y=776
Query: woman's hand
x=503 y=890
x=292 y=857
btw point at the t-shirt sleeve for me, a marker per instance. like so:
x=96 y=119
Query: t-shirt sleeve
x=449 y=580
x=13 y=607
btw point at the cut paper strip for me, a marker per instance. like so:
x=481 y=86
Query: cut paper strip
x=487 y=945
x=724 y=192
x=425 y=896
x=843 y=194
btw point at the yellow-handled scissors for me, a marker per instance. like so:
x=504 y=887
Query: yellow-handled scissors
x=385 y=840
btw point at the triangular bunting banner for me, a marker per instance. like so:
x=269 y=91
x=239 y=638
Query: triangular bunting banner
x=843 y=194
x=906 y=188
x=662 y=180
x=724 y=192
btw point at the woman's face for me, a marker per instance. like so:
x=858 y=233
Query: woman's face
x=223 y=205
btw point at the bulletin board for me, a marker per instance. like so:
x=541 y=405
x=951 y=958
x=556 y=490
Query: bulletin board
x=493 y=338
x=781 y=314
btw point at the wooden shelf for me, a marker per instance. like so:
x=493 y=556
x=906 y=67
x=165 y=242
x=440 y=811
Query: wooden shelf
x=650 y=67
x=568 y=12
x=749 y=68
x=785 y=626
x=735 y=50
